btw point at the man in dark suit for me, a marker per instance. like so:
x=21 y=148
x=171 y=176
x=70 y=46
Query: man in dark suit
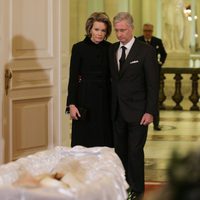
x=134 y=74
x=148 y=38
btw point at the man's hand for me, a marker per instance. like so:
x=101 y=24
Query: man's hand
x=146 y=119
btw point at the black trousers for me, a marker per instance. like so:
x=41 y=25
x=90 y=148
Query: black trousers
x=129 y=141
x=156 y=117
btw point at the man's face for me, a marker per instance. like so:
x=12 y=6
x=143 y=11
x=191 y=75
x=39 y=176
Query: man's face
x=148 y=31
x=124 y=32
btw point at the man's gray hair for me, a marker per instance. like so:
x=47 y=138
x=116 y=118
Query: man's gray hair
x=124 y=16
x=148 y=24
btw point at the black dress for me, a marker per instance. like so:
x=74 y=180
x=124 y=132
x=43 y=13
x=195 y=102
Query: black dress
x=89 y=88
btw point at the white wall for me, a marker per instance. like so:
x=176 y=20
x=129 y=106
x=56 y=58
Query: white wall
x=65 y=48
x=1 y=82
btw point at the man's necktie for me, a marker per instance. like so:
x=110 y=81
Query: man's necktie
x=123 y=57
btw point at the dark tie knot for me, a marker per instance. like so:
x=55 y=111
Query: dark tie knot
x=123 y=48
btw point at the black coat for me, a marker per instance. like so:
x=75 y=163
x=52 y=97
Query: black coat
x=160 y=50
x=135 y=87
x=89 y=87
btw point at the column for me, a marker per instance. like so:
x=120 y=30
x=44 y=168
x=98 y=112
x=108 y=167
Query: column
x=135 y=9
x=123 y=5
x=95 y=6
x=198 y=23
x=193 y=25
x=111 y=8
x=82 y=17
x=159 y=20
x=148 y=10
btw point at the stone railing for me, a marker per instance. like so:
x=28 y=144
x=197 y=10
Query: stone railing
x=194 y=60
x=177 y=97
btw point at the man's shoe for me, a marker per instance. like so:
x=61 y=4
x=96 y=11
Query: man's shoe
x=157 y=128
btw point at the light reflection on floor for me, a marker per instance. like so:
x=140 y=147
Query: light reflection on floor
x=180 y=131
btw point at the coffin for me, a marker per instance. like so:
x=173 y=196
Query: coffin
x=63 y=173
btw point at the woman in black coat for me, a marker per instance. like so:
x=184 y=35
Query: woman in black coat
x=88 y=98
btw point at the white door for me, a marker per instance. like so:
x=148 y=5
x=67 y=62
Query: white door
x=31 y=64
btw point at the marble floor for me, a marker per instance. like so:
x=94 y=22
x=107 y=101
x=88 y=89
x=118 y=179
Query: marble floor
x=180 y=131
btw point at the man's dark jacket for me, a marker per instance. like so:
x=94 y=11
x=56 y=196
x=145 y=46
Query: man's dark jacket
x=159 y=47
x=135 y=87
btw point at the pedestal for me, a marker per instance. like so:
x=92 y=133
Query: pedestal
x=177 y=59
